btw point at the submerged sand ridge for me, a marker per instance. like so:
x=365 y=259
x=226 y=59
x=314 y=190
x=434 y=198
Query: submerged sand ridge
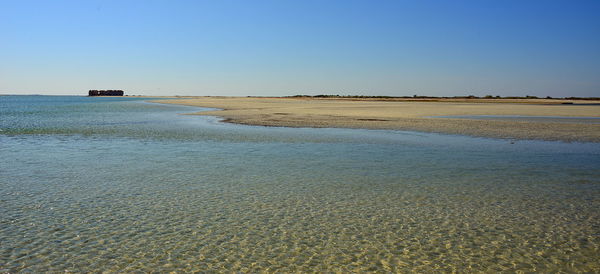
x=409 y=115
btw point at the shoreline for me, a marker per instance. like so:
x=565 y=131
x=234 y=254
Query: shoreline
x=407 y=115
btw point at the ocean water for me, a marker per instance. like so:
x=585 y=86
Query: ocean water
x=119 y=184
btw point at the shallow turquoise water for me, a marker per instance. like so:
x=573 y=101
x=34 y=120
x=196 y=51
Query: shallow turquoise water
x=118 y=184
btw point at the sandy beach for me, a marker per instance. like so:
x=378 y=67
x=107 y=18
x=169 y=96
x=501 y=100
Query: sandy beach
x=413 y=115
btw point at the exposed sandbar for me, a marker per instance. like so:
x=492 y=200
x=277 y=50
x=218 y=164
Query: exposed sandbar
x=414 y=115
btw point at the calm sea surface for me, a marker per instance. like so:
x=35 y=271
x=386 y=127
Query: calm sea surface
x=118 y=184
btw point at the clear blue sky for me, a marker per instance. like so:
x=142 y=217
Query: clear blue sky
x=281 y=47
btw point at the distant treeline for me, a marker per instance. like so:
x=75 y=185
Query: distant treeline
x=440 y=97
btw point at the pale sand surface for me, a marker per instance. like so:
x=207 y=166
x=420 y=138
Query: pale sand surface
x=408 y=115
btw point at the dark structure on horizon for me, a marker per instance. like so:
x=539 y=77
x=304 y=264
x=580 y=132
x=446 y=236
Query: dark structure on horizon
x=109 y=92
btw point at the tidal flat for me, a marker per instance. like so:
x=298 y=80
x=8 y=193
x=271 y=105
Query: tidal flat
x=123 y=185
x=425 y=115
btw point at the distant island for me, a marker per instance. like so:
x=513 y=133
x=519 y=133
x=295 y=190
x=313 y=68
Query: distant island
x=110 y=92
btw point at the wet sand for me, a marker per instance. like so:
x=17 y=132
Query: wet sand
x=409 y=114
